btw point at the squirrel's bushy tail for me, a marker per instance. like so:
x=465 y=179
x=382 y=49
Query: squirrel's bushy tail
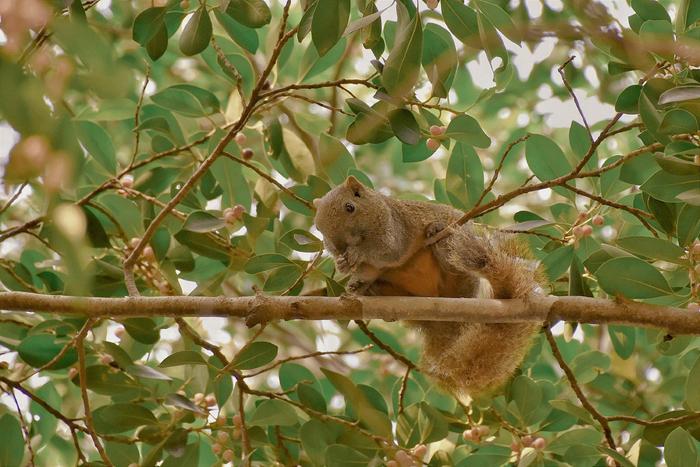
x=475 y=358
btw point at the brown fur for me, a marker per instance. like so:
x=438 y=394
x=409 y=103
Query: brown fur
x=381 y=243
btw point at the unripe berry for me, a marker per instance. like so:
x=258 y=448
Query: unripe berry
x=403 y=458
x=72 y=373
x=119 y=332
x=598 y=220
x=248 y=154
x=222 y=436
x=432 y=4
x=210 y=400
x=148 y=253
x=467 y=435
x=432 y=144
x=526 y=440
x=420 y=451
x=515 y=446
x=237 y=421
x=483 y=430
x=185 y=4
x=582 y=216
x=217 y=448
x=586 y=230
x=539 y=443
x=620 y=451
x=127 y=181
x=220 y=421
x=392 y=463
x=610 y=462
x=241 y=139
x=198 y=398
x=578 y=231
x=437 y=130
x=227 y=455
x=133 y=243
x=123 y=193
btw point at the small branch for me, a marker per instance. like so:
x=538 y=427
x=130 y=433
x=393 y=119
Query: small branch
x=82 y=373
x=13 y=198
x=666 y=422
x=573 y=95
x=308 y=355
x=270 y=179
x=245 y=439
x=577 y=389
x=537 y=308
x=373 y=337
x=25 y=430
x=137 y=138
x=402 y=391
x=497 y=172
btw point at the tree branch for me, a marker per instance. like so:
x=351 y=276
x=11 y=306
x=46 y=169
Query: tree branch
x=260 y=309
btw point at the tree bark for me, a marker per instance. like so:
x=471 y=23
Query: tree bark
x=266 y=308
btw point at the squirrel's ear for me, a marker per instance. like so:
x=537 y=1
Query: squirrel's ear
x=316 y=202
x=353 y=183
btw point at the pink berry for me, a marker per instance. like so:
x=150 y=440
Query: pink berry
x=582 y=216
x=515 y=446
x=437 y=130
x=241 y=139
x=467 y=435
x=610 y=462
x=134 y=242
x=578 y=231
x=119 y=332
x=526 y=440
x=598 y=220
x=227 y=455
x=210 y=400
x=198 y=398
x=217 y=448
x=72 y=373
x=483 y=430
x=222 y=436
x=432 y=144
x=148 y=253
x=127 y=181
x=106 y=359
x=237 y=420
x=586 y=230
x=248 y=154
x=620 y=451
x=238 y=211
x=432 y=4
x=392 y=463
x=420 y=451
x=539 y=443
x=123 y=193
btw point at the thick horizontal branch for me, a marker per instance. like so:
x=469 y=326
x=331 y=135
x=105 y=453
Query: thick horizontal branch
x=263 y=308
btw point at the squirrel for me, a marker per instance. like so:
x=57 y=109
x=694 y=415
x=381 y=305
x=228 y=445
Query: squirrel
x=382 y=243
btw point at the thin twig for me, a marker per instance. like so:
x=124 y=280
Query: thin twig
x=573 y=95
x=137 y=138
x=308 y=355
x=13 y=198
x=373 y=337
x=666 y=422
x=496 y=173
x=577 y=389
x=25 y=430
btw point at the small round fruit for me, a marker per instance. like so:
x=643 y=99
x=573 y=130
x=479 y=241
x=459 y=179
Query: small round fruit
x=586 y=230
x=241 y=139
x=432 y=144
x=578 y=231
x=483 y=430
x=123 y=193
x=238 y=211
x=237 y=421
x=210 y=400
x=437 y=130
x=476 y=434
x=610 y=462
x=119 y=332
x=420 y=451
x=227 y=455
x=222 y=436
x=467 y=435
x=236 y=434
x=217 y=448
x=432 y=4
x=539 y=443
x=134 y=242
x=248 y=154
x=392 y=463
x=598 y=220
x=185 y=4
x=582 y=216
x=127 y=181
x=515 y=446
x=696 y=249
x=198 y=398
x=148 y=252
x=403 y=458
x=72 y=373
x=620 y=451
x=526 y=440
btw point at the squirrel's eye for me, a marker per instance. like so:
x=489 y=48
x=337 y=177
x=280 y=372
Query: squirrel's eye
x=349 y=207
x=357 y=194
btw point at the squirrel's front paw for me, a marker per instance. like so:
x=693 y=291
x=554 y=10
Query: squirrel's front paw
x=433 y=228
x=342 y=264
x=356 y=287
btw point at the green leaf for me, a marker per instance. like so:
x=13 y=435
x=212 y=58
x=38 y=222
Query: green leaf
x=301 y=240
x=462 y=21
x=650 y=10
x=632 y=278
x=545 y=158
x=692 y=395
x=335 y=158
x=680 y=450
x=273 y=412
x=575 y=437
x=265 y=262
x=338 y=455
x=439 y=58
x=402 y=66
x=244 y=36
x=252 y=13
x=420 y=424
x=196 y=34
x=12 y=446
x=680 y=94
x=328 y=24
x=500 y=19
x=628 y=100
x=98 y=144
x=148 y=24
x=527 y=396
x=466 y=129
x=255 y=355
x=142 y=330
x=623 y=339
x=101 y=379
x=677 y=121
x=117 y=418
x=651 y=118
x=557 y=262
x=202 y=221
x=283 y=278
x=588 y=365
x=465 y=177
x=38 y=350
x=666 y=187
x=184 y=357
x=688 y=226
x=651 y=247
x=182 y=402
x=203 y=245
x=404 y=126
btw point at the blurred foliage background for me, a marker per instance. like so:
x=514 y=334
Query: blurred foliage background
x=247 y=110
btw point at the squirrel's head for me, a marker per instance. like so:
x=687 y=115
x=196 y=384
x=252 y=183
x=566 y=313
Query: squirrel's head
x=349 y=214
